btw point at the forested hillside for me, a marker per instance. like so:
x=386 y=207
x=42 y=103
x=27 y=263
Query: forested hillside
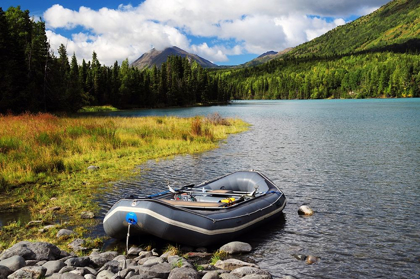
x=33 y=79
x=374 y=56
x=393 y=27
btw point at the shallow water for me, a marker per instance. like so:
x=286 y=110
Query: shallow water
x=354 y=162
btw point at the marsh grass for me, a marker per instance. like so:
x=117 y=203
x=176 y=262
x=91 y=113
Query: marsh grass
x=43 y=156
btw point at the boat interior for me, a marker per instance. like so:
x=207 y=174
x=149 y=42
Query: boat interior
x=227 y=191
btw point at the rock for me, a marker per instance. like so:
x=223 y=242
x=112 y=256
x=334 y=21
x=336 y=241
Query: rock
x=66 y=269
x=299 y=257
x=134 y=251
x=34 y=272
x=257 y=276
x=89 y=276
x=99 y=259
x=33 y=251
x=34 y=223
x=305 y=210
x=156 y=271
x=152 y=261
x=145 y=254
x=236 y=247
x=183 y=273
x=92 y=168
x=13 y=263
x=112 y=266
x=177 y=261
x=105 y=274
x=78 y=261
x=51 y=209
x=288 y=277
x=77 y=245
x=231 y=264
x=64 y=232
x=201 y=249
x=4 y=271
x=19 y=249
x=311 y=259
x=53 y=267
x=79 y=271
x=211 y=275
x=228 y=276
x=198 y=255
x=87 y=215
x=247 y=270
x=71 y=276
x=47 y=228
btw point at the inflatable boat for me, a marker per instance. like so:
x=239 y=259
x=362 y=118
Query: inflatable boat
x=209 y=213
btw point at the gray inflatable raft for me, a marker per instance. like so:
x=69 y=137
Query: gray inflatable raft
x=212 y=212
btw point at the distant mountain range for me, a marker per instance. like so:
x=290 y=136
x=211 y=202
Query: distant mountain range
x=157 y=57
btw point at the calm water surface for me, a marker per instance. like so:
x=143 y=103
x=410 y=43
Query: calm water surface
x=355 y=162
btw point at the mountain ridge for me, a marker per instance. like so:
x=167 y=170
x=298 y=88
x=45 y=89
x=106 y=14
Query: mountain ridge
x=158 y=57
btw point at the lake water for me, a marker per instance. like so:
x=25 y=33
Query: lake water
x=354 y=162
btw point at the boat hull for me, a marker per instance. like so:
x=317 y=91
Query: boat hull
x=193 y=227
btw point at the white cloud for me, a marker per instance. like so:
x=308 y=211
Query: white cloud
x=235 y=26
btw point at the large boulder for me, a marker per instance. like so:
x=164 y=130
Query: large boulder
x=33 y=251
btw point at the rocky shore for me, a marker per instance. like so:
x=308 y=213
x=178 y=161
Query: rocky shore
x=45 y=260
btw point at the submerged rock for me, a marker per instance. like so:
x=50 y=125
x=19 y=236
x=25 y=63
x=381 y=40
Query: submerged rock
x=311 y=259
x=305 y=210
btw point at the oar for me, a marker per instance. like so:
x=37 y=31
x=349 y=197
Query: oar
x=200 y=192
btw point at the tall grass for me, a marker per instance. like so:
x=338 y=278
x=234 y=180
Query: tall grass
x=42 y=149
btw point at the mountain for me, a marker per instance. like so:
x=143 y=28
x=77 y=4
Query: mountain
x=265 y=57
x=156 y=57
x=394 y=27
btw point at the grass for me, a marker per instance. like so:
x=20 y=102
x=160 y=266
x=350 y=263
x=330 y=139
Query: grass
x=97 y=109
x=44 y=158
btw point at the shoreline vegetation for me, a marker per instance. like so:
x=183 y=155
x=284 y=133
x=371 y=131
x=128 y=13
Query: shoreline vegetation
x=53 y=166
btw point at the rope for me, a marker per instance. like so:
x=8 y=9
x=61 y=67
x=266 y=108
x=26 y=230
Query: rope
x=128 y=237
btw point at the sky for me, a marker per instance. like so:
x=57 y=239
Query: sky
x=225 y=32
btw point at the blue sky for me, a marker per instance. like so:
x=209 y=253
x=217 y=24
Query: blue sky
x=226 y=32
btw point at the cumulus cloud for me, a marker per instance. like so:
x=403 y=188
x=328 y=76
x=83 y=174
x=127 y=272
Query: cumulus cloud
x=233 y=27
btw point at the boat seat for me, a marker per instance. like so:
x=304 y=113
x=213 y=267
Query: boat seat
x=193 y=204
